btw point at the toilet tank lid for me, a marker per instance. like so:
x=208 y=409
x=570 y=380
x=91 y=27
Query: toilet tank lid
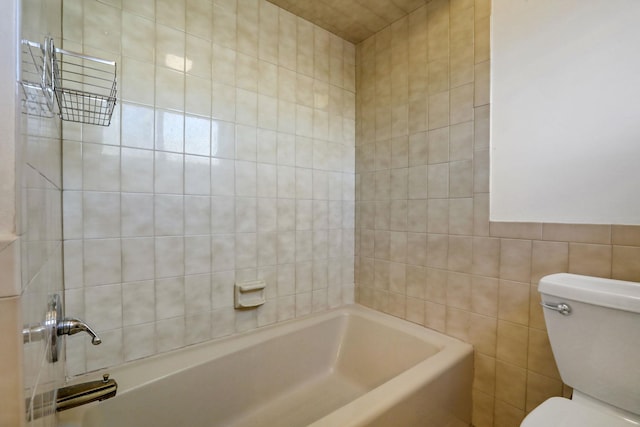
x=611 y=293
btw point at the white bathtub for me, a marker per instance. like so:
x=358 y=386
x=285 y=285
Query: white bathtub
x=348 y=367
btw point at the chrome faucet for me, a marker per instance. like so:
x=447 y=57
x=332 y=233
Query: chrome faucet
x=54 y=326
x=71 y=397
x=81 y=394
x=71 y=326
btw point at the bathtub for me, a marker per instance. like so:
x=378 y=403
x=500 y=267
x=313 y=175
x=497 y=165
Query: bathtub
x=347 y=367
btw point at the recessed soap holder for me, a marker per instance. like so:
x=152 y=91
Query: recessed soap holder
x=249 y=294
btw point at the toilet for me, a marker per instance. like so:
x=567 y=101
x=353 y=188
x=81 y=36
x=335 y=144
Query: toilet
x=594 y=330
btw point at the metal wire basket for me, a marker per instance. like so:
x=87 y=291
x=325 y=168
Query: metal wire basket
x=85 y=87
x=36 y=81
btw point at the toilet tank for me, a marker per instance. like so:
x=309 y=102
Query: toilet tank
x=597 y=344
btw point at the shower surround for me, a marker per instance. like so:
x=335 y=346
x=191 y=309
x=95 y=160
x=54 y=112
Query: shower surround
x=230 y=158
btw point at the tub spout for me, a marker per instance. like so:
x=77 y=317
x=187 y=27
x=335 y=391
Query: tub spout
x=81 y=394
x=70 y=397
x=71 y=326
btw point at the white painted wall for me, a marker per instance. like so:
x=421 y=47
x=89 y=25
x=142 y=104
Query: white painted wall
x=565 y=111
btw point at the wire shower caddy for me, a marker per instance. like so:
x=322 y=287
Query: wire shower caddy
x=83 y=86
x=38 y=98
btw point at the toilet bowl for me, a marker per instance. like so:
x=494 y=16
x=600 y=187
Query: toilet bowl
x=594 y=331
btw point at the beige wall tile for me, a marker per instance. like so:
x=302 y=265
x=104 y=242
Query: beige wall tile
x=481 y=171
x=438 y=29
x=398 y=278
x=511 y=384
x=461 y=142
x=461 y=216
x=536 y=315
x=438 y=181
x=516 y=230
x=506 y=415
x=417 y=215
x=512 y=343
x=199 y=14
x=437 y=249
x=461 y=6
x=461 y=179
x=513 y=302
x=482 y=46
x=578 y=233
x=484 y=296
x=418 y=149
x=461 y=65
x=438 y=146
x=416 y=281
x=171 y=13
x=397 y=305
x=417 y=248
x=481 y=127
x=481 y=214
x=415 y=310
x=625 y=235
x=482 y=8
x=548 y=258
x=434 y=316
x=486 y=256
x=515 y=260
x=481 y=84
x=438 y=76
x=482 y=415
x=458 y=323
x=459 y=291
x=626 y=263
x=590 y=260
x=436 y=288
x=438 y=216
x=461 y=108
x=484 y=375
x=438 y=110
x=541 y=358
x=483 y=334
x=460 y=253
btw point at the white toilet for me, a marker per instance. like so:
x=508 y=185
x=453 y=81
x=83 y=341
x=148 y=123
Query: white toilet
x=594 y=330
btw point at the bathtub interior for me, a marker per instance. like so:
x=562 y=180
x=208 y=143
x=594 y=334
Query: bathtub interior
x=287 y=380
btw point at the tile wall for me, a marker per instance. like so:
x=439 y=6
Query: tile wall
x=425 y=248
x=231 y=157
x=36 y=262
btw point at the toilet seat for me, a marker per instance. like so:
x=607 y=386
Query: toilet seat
x=561 y=412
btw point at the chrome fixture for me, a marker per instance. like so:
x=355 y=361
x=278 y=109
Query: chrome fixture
x=561 y=307
x=54 y=326
x=81 y=394
x=71 y=326
x=71 y=397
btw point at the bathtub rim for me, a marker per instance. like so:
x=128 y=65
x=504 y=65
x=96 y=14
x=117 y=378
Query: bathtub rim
x=142 y=372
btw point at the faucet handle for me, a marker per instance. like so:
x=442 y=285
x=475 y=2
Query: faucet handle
x=71 y=326
x=54 y=326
